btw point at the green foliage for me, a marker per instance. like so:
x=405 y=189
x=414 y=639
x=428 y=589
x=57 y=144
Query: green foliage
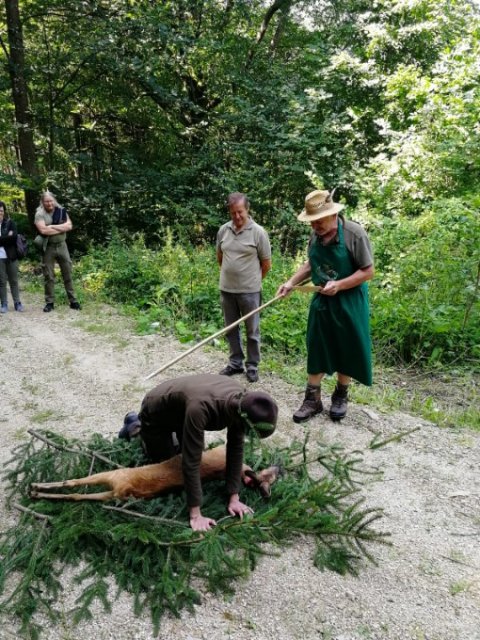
x=147 y=547
x=426 y=301
x=174 y=288
x=381 y=100
x=419 y=312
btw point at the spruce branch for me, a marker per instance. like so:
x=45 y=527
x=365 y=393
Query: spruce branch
x=376 y=444
x=150 y=550
x=56 y=445
x=173 y=523
x=36 y=514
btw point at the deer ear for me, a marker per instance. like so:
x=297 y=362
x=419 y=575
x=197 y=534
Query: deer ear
x=252 y=477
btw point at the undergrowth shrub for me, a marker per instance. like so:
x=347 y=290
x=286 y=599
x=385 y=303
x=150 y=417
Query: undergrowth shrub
x=424 y=297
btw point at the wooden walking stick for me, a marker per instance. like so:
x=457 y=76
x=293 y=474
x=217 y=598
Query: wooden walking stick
x=213 y=336
x=308 y=288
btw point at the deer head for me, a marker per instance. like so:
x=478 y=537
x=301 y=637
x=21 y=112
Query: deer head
x=262 y=480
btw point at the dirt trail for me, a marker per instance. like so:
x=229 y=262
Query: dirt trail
x=77 y=372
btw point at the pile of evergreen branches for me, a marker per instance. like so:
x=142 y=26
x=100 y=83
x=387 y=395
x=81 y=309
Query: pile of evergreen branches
x=148 y=547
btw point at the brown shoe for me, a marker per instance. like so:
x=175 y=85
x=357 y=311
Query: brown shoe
x=311 y=406
x=338 y=409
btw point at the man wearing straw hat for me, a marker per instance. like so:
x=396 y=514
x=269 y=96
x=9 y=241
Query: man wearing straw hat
x=340 y=262
x=244 y=256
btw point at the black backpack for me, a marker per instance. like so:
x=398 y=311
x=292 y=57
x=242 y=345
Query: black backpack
x=22 y=246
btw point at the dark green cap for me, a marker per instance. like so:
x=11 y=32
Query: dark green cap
x=260 y=412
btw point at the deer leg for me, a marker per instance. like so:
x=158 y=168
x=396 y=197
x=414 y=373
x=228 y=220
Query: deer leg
x=98 y=478
x=102 y=496
x=48 y=485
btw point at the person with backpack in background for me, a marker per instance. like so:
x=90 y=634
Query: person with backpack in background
x=8 y=261
x=53 y=223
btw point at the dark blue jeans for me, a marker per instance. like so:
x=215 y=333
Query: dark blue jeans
x=236 y=305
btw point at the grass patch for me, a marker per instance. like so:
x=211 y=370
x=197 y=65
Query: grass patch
x=460 y=587
x=45 y=416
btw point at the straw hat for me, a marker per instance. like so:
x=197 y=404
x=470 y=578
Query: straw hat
x=319 y=204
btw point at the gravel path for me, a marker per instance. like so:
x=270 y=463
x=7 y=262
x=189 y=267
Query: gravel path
x=77 y=372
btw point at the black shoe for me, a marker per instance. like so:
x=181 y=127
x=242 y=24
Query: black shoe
x=75 y=305
x=338 y=409
x=231 y=371
x=252 y=375
x=48 y=307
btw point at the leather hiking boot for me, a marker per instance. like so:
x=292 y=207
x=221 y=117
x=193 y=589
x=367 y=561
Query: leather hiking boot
x=338 y=409
x=252 y=375
x=311 y=406
x=75 y=305
x=48 y=307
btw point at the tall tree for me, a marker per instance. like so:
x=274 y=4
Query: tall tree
x=23 y=115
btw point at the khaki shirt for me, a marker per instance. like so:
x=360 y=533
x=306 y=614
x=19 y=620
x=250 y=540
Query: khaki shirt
x=242 y=252
x=48 y=219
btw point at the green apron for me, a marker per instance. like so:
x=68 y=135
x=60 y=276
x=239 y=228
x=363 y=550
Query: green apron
x=338 y=329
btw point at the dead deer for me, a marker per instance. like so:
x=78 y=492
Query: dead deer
x=154 y=479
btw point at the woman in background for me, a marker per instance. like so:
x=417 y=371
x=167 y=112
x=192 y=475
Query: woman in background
x=8 y=261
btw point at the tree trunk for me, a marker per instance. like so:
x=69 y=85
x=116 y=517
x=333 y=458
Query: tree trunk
x=23 y=116
x=277 y=5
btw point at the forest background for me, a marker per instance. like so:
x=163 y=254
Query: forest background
x=141 y=116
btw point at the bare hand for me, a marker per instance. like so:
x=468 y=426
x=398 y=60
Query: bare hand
x=284 y=289
x=201 y=523
x=237 y=508
x=331 y=288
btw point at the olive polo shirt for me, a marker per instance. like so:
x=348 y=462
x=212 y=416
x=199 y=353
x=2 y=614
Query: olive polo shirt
x=242 y=252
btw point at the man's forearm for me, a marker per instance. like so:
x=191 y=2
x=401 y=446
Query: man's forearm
x=301 y=274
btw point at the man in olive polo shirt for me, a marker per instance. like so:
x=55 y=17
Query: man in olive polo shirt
x=245 y=257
